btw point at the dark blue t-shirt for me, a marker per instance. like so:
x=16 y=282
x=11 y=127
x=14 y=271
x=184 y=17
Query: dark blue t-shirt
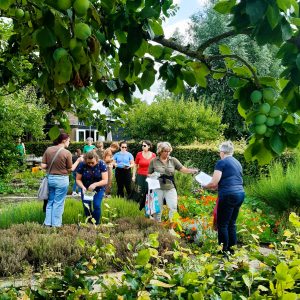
x=92 y=174
x=231 y=181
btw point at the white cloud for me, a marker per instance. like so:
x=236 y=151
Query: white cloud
x=203 y=3
x=176 y=2
x=181 y=25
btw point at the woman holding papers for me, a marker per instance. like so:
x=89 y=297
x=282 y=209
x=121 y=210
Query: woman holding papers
x=92 y=177
x=166 y=165
x=142 y=161
x=123 y=161
x=228 y=179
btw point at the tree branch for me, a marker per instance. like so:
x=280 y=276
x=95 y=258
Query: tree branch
x=199 y=55
x=182 y=49
x=236 y=57
x=220 y=37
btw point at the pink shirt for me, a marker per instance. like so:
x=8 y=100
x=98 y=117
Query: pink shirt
x=143 y=163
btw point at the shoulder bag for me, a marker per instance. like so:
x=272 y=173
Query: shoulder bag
x=43 y=191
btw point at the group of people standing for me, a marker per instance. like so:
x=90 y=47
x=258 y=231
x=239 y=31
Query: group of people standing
x=94 y=170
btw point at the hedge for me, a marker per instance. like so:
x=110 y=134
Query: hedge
x=202 y=156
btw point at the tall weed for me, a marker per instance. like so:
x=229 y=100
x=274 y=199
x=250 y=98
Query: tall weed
x=281 y=189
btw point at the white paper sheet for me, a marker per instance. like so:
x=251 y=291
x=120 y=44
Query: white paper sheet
x=153 y=183
x=203 y=178
x=88 y=196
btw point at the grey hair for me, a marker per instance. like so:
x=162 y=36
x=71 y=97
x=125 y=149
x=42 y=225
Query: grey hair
x=227 y=147
x=162 y=146
x=89 y=139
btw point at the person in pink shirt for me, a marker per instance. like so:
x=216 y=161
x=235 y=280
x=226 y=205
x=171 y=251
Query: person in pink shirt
x=140 y=170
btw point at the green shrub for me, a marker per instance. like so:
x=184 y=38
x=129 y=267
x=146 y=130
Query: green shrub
x=281 y=189
x=178 y=121
x=202 y=156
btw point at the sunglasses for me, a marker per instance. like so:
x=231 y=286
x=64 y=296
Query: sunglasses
x=124 y=147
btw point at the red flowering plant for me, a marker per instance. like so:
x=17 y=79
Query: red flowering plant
x=194 y=220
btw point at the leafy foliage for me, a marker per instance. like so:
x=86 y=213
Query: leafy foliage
x=20 y=114
x=280 y=189
x=207 y=24
x=150 y=274
x=111 y=53
x=179 y=122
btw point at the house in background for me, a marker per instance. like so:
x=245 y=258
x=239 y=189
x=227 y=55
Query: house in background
x=80 y=132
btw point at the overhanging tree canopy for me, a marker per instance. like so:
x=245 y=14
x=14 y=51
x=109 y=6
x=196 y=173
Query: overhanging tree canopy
x=107 y=46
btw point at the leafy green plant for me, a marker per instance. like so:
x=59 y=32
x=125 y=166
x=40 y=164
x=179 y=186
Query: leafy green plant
x=180 y=122
x=30 y=246
x=281 y=189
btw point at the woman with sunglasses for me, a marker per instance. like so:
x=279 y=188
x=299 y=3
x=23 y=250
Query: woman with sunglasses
x=142 y=161
x=92 y=176
x=123 y=160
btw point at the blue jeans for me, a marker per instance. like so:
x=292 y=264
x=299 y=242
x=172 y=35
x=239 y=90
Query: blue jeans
x=227 y=213
x=95 y=212
x=75 y=184
x=58 y=188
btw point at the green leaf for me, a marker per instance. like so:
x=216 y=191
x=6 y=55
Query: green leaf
x=149 y=12
x=156 y=51
x=247 y=281
x=218 y=75
x=255 y=10
x=264 y=156
x=189 y=77
x=121 y=36
x=291 y=128
x=287 y=31
x=63 y=70
x=298 y=61
x=134 y=38
x=289 y=296
x=225 y=6
x=226 y=295
x=277 y=144
x=200 y=72
x=180 y=290
x=147 y=79
x=295 y=21
x=282 y=271
x=224 y=50
x=285 y=5
x=156 y=27
x=273 y=16
x=292 y=140
x=54 y=132
x=189 y=278
x=241 y=111
x=143 y=257
x=161 y=283
x=143 y=49
x=125 y=55
x=45 y=38
x=108 y=5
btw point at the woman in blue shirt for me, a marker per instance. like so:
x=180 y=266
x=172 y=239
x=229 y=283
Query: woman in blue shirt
x=228 y=179
x=124 y=161
x=92 y=176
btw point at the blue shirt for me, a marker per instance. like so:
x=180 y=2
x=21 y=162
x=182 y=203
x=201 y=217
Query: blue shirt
x=123 y=159
x=91 y=174
x=231 y=181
